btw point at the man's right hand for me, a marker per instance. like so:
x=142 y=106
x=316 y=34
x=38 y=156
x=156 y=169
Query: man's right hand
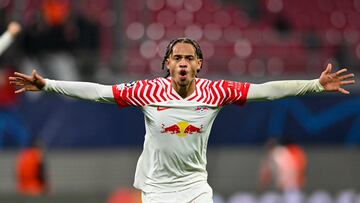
x=33 y=82
x=14 y=28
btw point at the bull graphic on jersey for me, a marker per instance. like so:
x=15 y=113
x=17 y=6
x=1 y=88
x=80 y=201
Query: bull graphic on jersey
x=181 y=129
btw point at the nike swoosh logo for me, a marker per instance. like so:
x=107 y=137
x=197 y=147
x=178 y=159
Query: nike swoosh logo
x=161 y=108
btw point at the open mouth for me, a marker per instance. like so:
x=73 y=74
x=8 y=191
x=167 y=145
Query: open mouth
x=183 y=74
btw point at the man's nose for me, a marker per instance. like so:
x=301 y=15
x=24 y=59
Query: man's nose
x=183 y=63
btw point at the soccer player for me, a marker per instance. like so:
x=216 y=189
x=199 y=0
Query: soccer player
x=8 y=37
x=179 y=111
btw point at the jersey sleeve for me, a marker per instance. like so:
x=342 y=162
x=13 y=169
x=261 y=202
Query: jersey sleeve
x=235 y=92
x=128 y=94
x=135 y=93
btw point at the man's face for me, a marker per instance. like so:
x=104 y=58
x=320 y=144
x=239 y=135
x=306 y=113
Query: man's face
x=183 y=64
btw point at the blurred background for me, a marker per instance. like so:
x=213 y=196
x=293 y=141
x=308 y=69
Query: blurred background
x=86 y=152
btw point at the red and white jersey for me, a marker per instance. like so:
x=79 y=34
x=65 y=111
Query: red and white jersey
x=177 y=129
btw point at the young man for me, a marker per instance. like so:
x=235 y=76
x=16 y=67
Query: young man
x=179 y=112
x=8 y=37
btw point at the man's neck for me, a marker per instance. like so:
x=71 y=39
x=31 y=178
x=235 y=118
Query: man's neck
x=184 y=91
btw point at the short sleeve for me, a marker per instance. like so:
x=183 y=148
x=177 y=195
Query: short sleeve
x=130 y=94
x=235 y=92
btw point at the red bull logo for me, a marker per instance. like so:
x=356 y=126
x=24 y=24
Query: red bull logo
x=181 y=129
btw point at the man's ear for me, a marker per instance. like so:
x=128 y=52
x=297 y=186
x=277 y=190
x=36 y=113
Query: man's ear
x=167 y=62
x=199 y=65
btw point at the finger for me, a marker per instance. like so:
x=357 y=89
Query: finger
x=328 y=68
x=22 y=76
x=20 y=90
x=347 y=82
x=341 y=71
x=12 y=78
x=16 y=79
x=13 y=82
x=347 y=76
x=343 y=91
x=17 y=83
x=34 y=73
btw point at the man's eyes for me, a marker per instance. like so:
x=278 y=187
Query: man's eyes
x=189 y=58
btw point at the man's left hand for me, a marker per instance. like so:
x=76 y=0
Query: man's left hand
x=333 y=82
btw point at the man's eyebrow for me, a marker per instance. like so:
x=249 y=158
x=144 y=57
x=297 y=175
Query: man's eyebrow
x=183 y=55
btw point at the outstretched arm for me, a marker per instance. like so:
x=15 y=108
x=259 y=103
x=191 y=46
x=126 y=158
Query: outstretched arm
x=328 y=81
x=81 y=90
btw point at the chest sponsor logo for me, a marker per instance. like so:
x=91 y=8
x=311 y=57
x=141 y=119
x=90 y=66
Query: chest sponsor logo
x=201 y=109
x=181 y=129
